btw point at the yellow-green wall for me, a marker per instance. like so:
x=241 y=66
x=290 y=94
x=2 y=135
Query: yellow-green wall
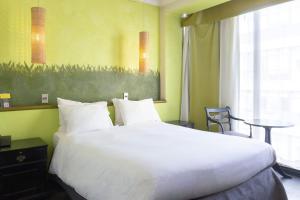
x=98 y=32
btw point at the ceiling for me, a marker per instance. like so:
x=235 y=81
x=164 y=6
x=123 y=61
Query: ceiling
x=166 y=2
x=159 y=2
x=184 y=6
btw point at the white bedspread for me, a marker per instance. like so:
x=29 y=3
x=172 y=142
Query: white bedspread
x=156 y=161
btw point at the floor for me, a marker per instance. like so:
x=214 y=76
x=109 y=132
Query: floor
x=56 y=192
x=292 y=187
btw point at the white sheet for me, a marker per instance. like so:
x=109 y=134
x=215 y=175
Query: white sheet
x=57 y=136
x=156 y=161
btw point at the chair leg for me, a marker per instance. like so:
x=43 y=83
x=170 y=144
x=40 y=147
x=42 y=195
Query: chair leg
x=250 y=131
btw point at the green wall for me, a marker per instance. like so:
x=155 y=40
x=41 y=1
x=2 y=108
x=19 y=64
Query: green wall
x=96 y=32
x=83 y=83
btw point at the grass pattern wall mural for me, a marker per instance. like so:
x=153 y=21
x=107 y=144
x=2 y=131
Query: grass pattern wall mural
x=88 y=83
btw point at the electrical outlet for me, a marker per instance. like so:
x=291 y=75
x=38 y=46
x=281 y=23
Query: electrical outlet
x=6 y=104
x=45 y=98
x=125 y=95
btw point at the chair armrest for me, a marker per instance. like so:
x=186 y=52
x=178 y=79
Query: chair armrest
x=235 y=118
x=217 y=122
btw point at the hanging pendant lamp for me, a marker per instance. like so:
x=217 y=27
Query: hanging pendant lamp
x=143 y=46
x=143 y=49
x=38 y=55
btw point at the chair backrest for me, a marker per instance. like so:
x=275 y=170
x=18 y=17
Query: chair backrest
x=222 y=115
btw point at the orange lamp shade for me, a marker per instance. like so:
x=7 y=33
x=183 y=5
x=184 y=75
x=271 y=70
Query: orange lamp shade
x=143 y=56
x=38 y=54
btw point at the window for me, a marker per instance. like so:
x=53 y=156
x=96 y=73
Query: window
x=270 y=74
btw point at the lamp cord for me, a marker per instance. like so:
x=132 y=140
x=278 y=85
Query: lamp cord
x=143 y=15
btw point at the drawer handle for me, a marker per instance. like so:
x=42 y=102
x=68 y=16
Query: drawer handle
x=21 y=158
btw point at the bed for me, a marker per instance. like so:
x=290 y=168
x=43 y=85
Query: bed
x=155 y=160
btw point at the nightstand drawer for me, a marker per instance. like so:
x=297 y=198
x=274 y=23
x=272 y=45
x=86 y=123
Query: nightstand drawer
x=20 y=195
x=22 y=156
x=21 y=180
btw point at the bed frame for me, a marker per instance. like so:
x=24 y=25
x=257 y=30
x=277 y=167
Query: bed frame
x=72 y=194
x=264 y=186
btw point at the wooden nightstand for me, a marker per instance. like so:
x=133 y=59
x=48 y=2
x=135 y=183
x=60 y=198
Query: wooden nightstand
x=182 y=123
x=23 y=169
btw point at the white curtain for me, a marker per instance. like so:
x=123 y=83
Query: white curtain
x=260 y=73
x=185 y=99
x=229 y=65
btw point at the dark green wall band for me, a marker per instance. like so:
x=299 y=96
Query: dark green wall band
x=27 y=83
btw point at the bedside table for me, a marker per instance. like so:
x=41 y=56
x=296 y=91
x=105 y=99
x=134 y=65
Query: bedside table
x=182 y=123
x=23 y=168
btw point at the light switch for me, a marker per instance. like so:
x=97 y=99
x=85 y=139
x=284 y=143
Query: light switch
x=125 y=95
x=45 y=99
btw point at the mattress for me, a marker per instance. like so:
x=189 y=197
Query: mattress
x=156 y=161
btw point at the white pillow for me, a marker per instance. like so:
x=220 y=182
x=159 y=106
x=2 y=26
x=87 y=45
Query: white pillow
x=118 y=115
x=86 y=117
x=134 y=112
x=65 y=102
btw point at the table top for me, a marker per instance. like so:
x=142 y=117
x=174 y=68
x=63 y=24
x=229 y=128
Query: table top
x=24 y=144
x=265 y=123
x=182 y=123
